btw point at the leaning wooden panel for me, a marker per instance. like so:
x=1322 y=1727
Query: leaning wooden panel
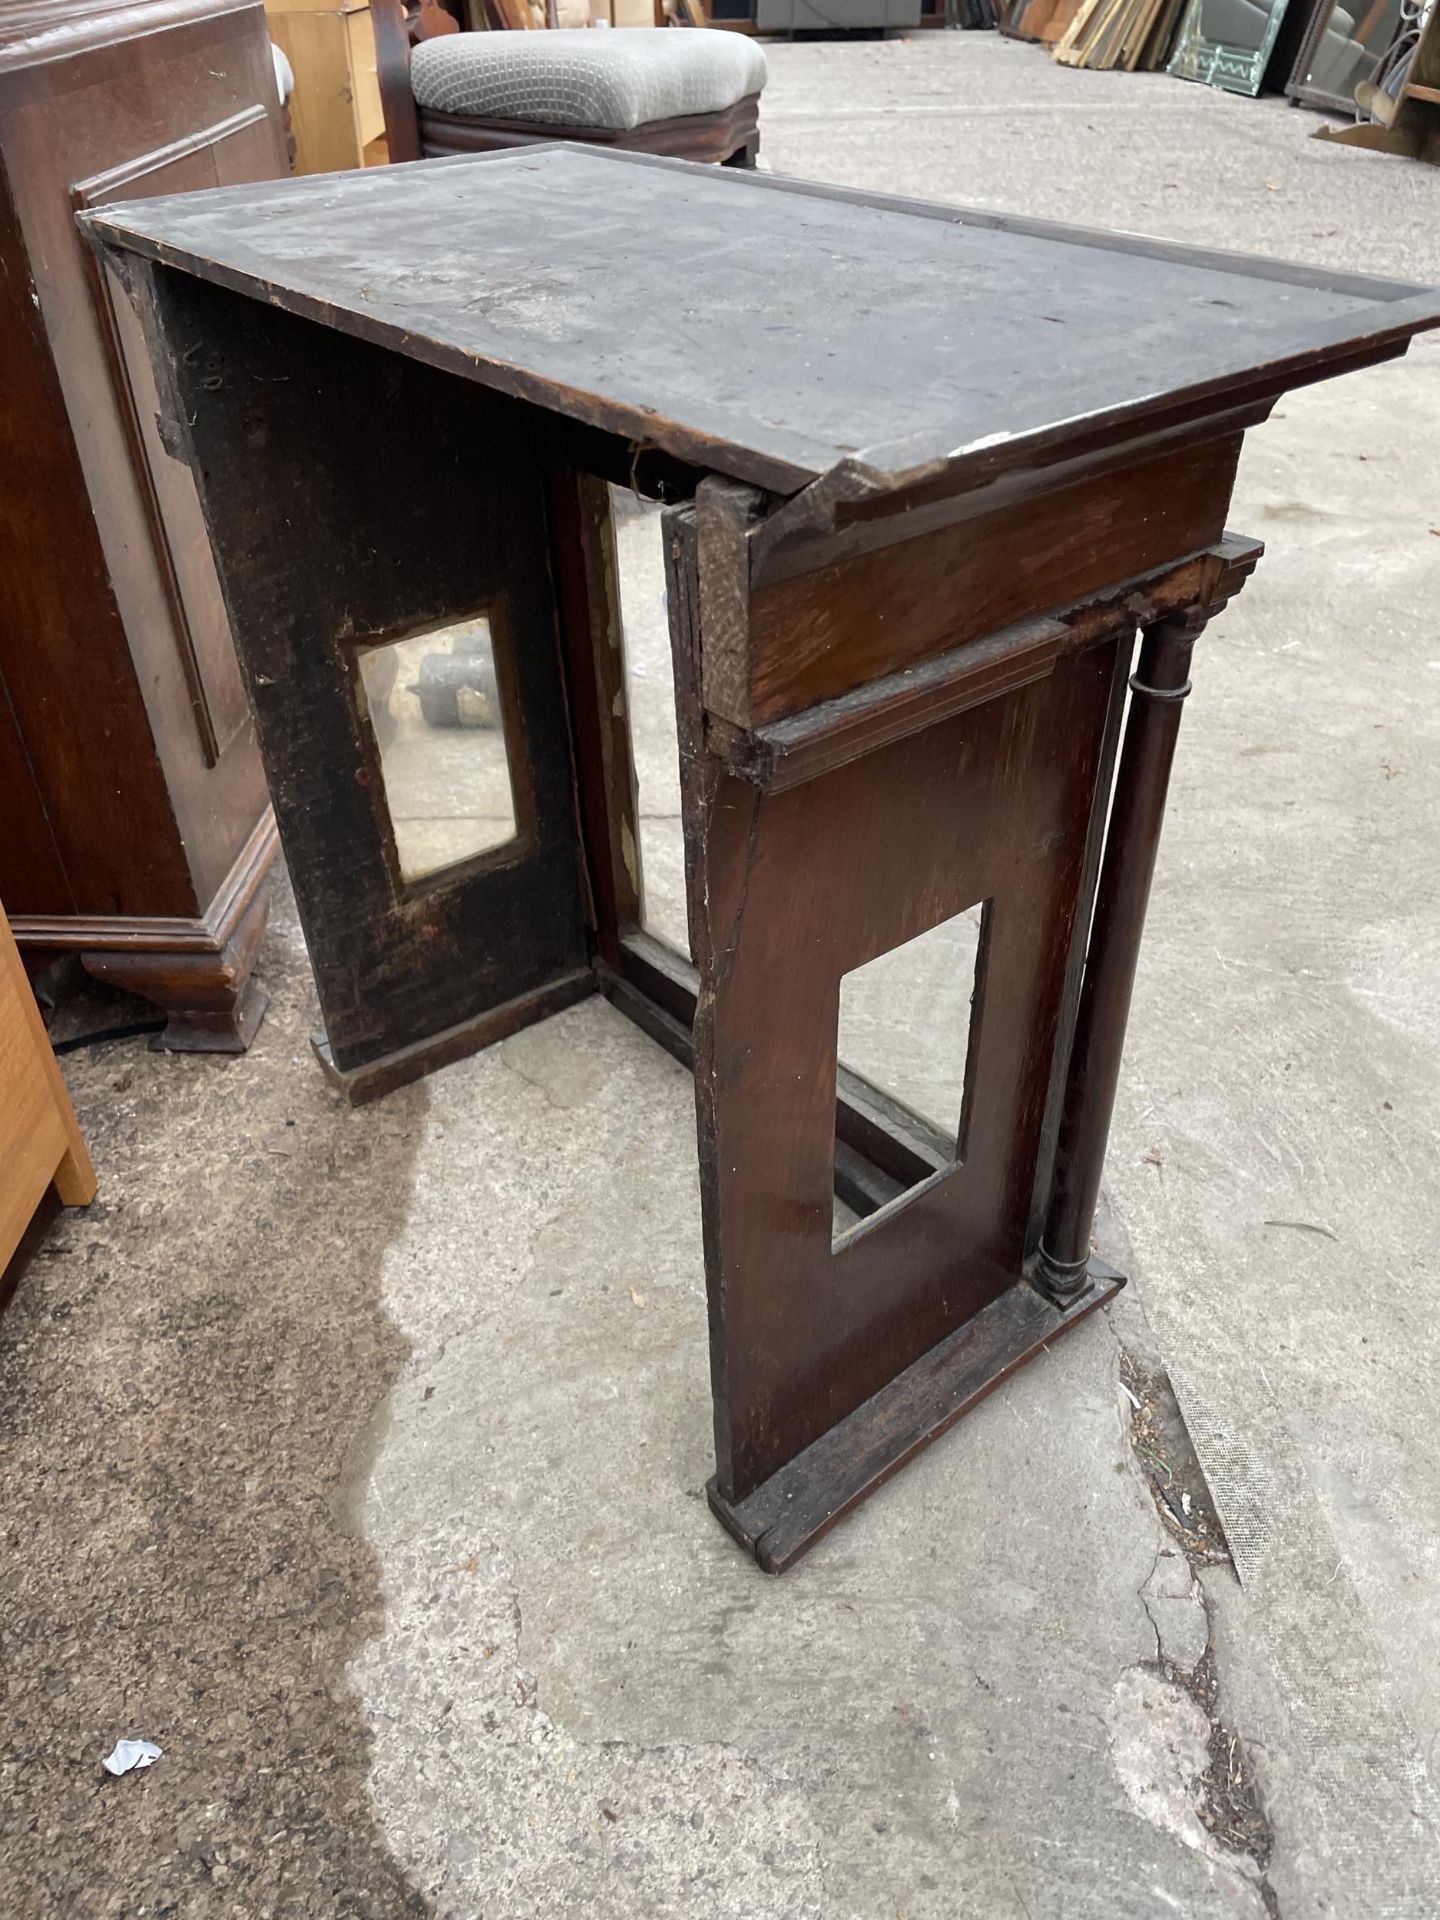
x=40 y=1139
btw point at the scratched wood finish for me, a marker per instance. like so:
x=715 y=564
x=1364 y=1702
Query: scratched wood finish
x=815 y=635
x=784 y=753
x=587 y=572
x=866 y=551
x=319 y=555
x=827 y=1480
x=872 y=350
x=788 y=892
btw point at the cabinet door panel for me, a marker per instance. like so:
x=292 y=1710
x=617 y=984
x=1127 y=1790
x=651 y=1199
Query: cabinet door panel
x=237 y=149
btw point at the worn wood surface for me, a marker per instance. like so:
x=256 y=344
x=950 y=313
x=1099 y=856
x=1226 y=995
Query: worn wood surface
x=400 y=1067
x=896 y=336
x=451 y=522
x=788 y=892
x=784 y=753
x=898 y=688
x=794 y=1510
x=812 y=636
x=587 y=575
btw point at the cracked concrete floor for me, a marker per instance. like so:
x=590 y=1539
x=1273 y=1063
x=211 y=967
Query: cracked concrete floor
x=474 y=1646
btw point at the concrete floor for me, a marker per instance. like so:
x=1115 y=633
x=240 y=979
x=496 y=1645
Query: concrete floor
x=357 y=1457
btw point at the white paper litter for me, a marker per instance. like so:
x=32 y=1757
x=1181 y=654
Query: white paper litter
x=131 y=1753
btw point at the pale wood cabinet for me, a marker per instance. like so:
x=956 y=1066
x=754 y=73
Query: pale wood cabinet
x=335 y=111
x=40 y=1141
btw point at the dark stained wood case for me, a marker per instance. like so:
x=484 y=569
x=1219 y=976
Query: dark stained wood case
x=908 y=546
x=137 y=825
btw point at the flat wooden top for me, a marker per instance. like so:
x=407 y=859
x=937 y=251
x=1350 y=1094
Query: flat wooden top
x=769 y=329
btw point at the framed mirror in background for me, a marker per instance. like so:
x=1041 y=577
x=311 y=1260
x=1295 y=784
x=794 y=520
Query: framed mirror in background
x=1343 y=46
x=1244 y=46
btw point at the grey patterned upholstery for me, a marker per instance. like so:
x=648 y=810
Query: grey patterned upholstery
x=617 y=78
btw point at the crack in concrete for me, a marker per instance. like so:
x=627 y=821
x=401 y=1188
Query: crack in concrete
x=1230 y=1805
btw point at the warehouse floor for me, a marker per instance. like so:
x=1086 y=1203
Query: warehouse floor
x=357 y=1458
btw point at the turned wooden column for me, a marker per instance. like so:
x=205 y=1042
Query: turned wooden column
x=1158 y=687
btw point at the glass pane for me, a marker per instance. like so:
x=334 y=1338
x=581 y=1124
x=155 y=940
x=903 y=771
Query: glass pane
x=650 y=696
x=908 y=1020
x=435 y=709
x=1350 y=47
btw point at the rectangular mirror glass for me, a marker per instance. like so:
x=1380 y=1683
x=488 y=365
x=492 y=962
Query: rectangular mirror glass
x=1227 y=43
x=435 y=709
x=908 y=1025
x=650 y=697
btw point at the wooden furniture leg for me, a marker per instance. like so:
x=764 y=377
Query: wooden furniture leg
x=210 y=1001
x=197 y=970
x=451 y=525
x=812 y=847
x=833 y=1363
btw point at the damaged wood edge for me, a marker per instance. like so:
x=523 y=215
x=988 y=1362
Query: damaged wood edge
x=370 y=1081
x=723 y=515
x=1102 y=239
x=650 y=442
x=789 y=752
x=604 y=786
x=794 y=1509
x=855 y=509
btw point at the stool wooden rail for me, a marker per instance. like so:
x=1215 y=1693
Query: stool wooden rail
x=933 y=472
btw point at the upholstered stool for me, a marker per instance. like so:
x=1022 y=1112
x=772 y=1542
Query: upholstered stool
x=690 y=92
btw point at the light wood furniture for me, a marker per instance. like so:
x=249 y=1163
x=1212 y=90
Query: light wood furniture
x=136 y=828
x=909 y=545
x=40 y=1141
x=335 y=111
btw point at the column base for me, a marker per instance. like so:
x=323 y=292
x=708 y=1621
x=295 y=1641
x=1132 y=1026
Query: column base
x=1063 y=1282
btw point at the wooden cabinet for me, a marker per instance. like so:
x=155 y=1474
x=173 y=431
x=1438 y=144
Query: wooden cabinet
x=138 y=830
x=335 y=111
x=40 y=1143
